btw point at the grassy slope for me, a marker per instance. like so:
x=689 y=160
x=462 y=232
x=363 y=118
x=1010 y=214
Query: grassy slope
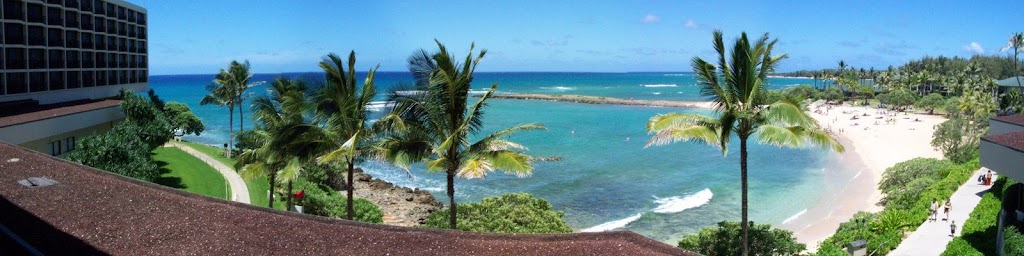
x=258 y=187
x=183 y=171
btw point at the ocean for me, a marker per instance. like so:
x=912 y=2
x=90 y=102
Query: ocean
x=606 y=179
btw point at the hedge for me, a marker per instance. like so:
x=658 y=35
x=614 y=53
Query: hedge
x=978 y=235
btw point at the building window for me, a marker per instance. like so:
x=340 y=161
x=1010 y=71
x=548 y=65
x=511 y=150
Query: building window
x=36 y=36
x=55 y=148
x=56 y=80
x=37 y=81
x=56 y=37
x=97 y=6
x=35 y=13
x=87 y=5
x=111 y=26
x=101 y=23
x=87 y=40
x=71 y=19
x=56 y=59
x=86 y=21
x=111 y=10
x=69 y=144
x=15 y=58
x=88 y=79
x=15 y=33
x=101 y=42
x=141 y=19
x=55 y=16
x=16 y=83
x=88 y=59
x=111 y=43
x=111 y=61
x=13 y=11
x=74 y=59
x=73 y=39
x=74 y=79
x=101 y=78
x=36 y=58
x=71 y=3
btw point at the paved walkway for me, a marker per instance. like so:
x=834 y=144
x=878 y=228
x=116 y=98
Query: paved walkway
x=239 y=192
x=931 y=237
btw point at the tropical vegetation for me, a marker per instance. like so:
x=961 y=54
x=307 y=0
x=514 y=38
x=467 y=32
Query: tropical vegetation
x=341 y=106
x=736 y=85
x=723 y=240
x=228 y=89
x=126 y=148
x=434 y=125
x=518 y=213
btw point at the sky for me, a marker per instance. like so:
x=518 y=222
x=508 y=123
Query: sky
x=200 y=37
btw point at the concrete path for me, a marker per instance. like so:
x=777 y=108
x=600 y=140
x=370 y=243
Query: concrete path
x=239 y=192
x=931 y=237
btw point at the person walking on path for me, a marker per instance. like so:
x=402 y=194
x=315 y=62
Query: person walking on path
x=946 y=208
x=952 y=228
x=934 y=210
x=988 y=178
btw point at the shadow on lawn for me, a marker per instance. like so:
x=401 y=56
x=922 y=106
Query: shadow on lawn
x=165 y=180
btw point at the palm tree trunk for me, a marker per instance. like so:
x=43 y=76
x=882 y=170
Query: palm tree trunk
x=451 y=199
x=241 y=118
x=270 y=202
x=231 y=128
x=288 y=197
x=743 y=184
x=349 y=208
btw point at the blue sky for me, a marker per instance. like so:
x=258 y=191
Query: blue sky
x=199 y=37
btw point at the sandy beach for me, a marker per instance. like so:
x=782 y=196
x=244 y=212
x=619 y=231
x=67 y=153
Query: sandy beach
x=875 y=140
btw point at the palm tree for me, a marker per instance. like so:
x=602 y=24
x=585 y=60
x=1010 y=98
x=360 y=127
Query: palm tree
x=280 y=135
x=434 y=126
x=737 y=87
x=1016 y=43
x=341 y=107
x=220 y=94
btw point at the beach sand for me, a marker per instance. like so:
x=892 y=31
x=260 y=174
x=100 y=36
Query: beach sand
x=872 y=145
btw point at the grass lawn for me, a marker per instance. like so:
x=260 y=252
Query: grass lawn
x=258 y=187
x=183 y=171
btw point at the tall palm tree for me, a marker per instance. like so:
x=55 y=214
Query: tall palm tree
x=341 y=107
x=1016 y=43
x=434 y=126
x=237 y=76
x=280 y=132
x=736 y=85
x=219 y=94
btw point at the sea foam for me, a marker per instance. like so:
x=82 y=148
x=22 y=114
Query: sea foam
x=792 y=218
x=559 y=88
x=613 y=224
x=658 y=85
x=677 y=204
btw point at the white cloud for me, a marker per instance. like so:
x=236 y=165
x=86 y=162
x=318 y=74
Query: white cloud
x=651 y=18
x=691 y=25
x=974 y=48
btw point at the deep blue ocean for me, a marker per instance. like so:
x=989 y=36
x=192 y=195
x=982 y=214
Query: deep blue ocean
x=607 y=180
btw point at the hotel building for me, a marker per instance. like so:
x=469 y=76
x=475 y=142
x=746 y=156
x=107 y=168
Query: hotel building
x=63 y=61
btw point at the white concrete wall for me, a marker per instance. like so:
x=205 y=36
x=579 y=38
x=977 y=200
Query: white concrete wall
x=47 y=128
x=43 y=145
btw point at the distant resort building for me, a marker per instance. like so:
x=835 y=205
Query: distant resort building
x=62 y=63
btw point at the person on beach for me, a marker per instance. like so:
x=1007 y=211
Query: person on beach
x=945 y=208
x=933 y=208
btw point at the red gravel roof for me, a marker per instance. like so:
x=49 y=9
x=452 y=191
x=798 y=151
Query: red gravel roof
x=93 y=211
x=56 y=110
x=1014 y=119
x=1014 y=140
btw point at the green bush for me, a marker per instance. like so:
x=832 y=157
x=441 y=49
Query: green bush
x=1013 y=242
x=725 y=240
x=903 y=183
x=518 y=213
x=118 y=151
x=978 y=233
x=322 y=201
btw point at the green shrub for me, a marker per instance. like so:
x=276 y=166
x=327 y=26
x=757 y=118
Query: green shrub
x=725 y=240
x=1013 y=242
x=322 y=201
x=118 y=151
x=903 y=183
x=518 y=213
x=827 y=249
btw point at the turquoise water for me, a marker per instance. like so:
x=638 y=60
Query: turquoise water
x=606 y=180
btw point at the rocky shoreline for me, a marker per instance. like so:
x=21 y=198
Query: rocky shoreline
x=402 y=206
x=603 y=100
